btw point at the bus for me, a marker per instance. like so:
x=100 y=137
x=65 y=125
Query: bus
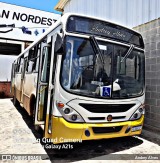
x=83 y=79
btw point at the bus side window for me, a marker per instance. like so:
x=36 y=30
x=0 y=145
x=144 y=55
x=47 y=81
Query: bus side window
x=36 y=59
x=21 y=62
x=30 y=64
x=18 y=65
x=15 y=67
x=33 y=59
x=30 y=61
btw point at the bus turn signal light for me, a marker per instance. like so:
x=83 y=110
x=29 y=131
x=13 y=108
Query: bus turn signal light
x=60 y=105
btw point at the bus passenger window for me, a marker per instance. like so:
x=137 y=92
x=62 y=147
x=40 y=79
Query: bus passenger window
x=34 y=67
x=17 y=65
x=21 y=64
x=31 y=53
x=36 y=62
x=33 y=60
x=30 y=65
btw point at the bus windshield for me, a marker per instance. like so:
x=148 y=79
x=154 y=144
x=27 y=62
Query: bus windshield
x=84 y=74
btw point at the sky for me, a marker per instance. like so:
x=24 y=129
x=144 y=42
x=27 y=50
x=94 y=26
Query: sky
x=45 y=5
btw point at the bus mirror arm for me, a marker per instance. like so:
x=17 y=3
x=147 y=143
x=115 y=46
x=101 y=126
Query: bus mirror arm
x=58 y=49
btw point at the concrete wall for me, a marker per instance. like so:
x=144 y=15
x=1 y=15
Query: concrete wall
x=151 y=34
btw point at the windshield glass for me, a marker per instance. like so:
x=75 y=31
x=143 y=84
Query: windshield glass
x=117 y=76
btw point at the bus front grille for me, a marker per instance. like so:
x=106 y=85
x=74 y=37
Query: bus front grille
x=103 y=118
x=103 y=130
x=107 y=108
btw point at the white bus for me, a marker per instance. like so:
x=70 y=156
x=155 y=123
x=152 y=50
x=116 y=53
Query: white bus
x=83 y=79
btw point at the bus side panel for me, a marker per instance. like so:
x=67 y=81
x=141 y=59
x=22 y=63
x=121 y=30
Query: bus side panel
x=29 y=86
x=18 y=87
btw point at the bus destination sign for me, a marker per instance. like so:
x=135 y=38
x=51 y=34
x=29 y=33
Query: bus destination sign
x=84 y=25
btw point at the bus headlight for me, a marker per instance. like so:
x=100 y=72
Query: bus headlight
x=66 y=111
x=70 y=114
x=138 y=113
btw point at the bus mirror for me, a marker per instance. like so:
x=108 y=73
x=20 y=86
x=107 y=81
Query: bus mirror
x=58 y=48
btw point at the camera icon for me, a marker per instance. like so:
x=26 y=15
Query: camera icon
x=6 y=157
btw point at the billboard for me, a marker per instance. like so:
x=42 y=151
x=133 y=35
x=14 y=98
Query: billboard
x=21 y=23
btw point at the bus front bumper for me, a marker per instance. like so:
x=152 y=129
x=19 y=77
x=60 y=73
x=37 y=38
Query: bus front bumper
x=64 y=131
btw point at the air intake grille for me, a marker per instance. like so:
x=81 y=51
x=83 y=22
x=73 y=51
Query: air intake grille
x=103 y=118
x=107 y=108
x=102 y=130
x=96 y=118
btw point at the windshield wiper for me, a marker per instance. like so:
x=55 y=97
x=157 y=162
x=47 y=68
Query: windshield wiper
x=128 y=53
x=96 y=49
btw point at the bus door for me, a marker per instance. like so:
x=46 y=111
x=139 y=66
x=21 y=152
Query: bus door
x=51 y=90
x=42 y=86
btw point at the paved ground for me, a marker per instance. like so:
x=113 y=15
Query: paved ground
x=18 y=136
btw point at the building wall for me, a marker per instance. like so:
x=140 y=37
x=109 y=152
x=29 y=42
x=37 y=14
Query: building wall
x=151 y=34
x=5 y=90
x=129 y=13
x=29 y=23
